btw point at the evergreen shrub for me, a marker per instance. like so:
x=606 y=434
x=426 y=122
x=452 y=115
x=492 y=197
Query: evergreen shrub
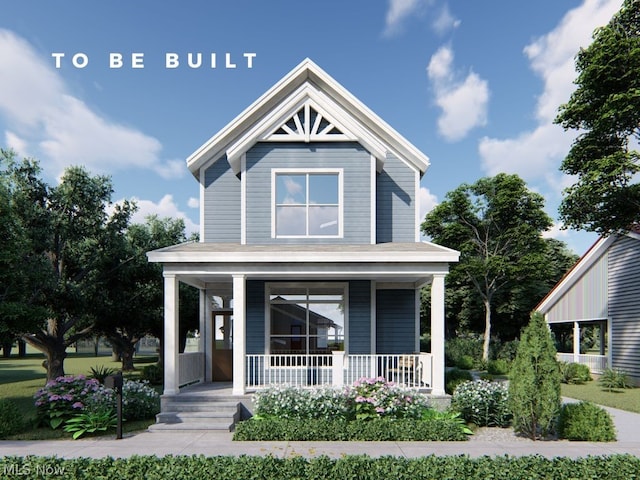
x=498 y=367
x=454 y=377
x=11 y=420
x=613 y=467
x=587 y=422
x=574 y=373
x=534 y=385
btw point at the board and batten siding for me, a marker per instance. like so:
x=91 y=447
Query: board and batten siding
x=396 y=202
x=586 y=299
x=355 y=161
x=395 y=321
x=624 y=304
x=256 y=305
x=221 y=204
x=359 y=334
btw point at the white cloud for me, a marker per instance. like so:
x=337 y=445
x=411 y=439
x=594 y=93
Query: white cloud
x=193 y=202
x=399 y=11
x=61 y=129
x=535 y=153
x=445 y=21
x=427 y=202
x=15 y=143
x=556 y=231
x=166 y=207
x=463 y=100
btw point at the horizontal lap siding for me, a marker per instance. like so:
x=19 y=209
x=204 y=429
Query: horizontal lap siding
x=396 y=202
x=624 y=304
x=395 y=321
x=351 y=157
x=221 y=204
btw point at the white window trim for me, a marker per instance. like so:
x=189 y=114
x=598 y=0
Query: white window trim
x=308 y=171
x=310 y=285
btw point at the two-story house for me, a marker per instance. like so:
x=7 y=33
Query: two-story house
x=310 y=244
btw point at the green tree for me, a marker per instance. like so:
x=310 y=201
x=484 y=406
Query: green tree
x=79 y=235
x=534 y=386
x=605 y=107
x=132 y=304
x=496 y=224
x=24 y=270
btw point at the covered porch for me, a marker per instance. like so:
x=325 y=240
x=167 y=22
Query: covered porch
x=586 y=342
x=374 y=330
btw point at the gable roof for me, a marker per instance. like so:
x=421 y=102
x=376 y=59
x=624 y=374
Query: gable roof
x=575 y=273
x=306 y=87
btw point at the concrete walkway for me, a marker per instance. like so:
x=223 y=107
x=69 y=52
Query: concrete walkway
x=220 y=443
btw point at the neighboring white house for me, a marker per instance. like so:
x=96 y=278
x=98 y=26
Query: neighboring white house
x=310 y=242
x=602 y=289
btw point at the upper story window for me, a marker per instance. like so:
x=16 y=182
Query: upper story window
x=307 y=203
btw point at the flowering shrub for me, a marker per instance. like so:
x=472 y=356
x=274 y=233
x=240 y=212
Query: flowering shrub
x=366 y=398
x=375 y=397
x=139 y=400
x=61 y=398
x=66 y=397
x=483 y=403
x=293 y=402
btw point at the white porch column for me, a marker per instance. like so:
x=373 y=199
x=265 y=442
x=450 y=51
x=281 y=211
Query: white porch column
x=576 y=342
x=171 y=334
x=207 y=333
x=239 y=341
x=437 y=334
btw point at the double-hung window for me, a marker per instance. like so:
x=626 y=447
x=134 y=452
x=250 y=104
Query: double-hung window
x=307 y=203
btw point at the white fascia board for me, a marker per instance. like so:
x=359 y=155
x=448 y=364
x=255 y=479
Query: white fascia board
x=323 y=104
x=392 y=272
x=288 y=257
x=365 y=115
x=213 y=148
x=216 y=146
x=592 y=255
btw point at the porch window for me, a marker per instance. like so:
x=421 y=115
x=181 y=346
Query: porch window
x=307 y=203
x=306 y=320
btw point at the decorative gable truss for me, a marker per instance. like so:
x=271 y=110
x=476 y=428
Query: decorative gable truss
x=308 y=125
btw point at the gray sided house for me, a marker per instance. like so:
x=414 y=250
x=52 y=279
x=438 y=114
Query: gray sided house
x=602 y=293
x=310 y=263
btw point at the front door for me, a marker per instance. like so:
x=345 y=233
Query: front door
x=222 y=358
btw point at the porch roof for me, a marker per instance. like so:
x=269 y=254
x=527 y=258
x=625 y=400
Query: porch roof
x=200 y=263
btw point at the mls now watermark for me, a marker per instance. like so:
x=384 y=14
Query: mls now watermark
x=16 y=469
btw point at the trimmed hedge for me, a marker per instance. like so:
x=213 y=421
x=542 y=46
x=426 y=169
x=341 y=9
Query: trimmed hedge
x=380 y=429
x=623 y=467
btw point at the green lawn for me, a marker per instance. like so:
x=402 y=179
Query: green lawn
x=625 y=399
x=20 y=379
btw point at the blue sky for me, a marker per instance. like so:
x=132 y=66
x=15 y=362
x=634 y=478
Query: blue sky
x=475 y=85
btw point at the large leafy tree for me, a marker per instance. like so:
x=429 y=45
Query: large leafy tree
x=605 y=108
x=24 y=270
x=132 y=301
x=496 y=224
x=79 y=235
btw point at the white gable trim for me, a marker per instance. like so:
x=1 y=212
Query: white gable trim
x=379 y=139
x=307 y=94
x=596 y=251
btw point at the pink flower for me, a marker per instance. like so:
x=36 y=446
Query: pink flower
x=78 y=405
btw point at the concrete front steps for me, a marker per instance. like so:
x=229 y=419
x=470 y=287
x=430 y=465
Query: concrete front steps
x=198 y=409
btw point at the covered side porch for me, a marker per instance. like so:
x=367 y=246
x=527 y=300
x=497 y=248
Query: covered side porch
x=305 y=315
x=587 y=342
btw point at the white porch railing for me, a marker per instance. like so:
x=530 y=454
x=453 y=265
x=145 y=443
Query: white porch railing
x=405 y=370
x=596 y=363
x=191 y=368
